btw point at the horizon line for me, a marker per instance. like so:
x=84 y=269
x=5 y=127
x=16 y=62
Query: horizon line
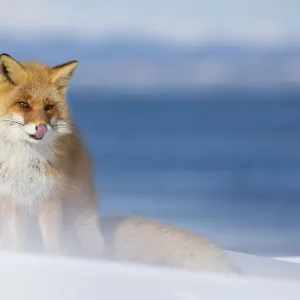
x=57 y=36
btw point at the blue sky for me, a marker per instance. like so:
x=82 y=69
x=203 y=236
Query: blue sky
x=262 y=21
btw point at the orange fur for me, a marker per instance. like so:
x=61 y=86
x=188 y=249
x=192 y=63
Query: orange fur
x=60 y=166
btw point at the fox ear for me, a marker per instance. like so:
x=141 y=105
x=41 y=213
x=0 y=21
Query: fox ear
x=62 y=74
x=11 y=71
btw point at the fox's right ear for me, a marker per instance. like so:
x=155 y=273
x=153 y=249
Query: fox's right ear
x=11 y=71
x=62 y=74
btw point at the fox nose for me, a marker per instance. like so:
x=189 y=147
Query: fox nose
x=41 y=130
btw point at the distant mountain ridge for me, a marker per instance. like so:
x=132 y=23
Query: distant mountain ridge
x=137 y=62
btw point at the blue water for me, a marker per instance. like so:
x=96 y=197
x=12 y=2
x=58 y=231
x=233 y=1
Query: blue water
x=225 y=163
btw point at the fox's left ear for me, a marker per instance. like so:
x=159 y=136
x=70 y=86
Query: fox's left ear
x=11 y=71
x=62 y=74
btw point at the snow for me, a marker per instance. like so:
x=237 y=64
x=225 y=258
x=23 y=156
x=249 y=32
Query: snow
x=265 y=267
x=35 y=277
x=293 y=259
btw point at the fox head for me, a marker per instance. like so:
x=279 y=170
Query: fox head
x=33 y=105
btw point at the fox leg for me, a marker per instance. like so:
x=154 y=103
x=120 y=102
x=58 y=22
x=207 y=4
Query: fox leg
x=88 y=233
x=13 y=221
x=51 y=225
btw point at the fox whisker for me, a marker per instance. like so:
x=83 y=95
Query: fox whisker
x=12 y=121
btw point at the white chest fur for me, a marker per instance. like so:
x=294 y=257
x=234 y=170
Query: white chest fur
x=22 y=173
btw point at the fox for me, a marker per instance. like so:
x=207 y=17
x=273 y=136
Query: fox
x=47 y=183
x=152 y=242
x=45 y=168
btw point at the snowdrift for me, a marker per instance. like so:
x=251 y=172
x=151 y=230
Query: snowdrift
x=36 y=277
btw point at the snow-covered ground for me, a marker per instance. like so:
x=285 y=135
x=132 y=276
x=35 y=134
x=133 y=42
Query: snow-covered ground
x=30 y=277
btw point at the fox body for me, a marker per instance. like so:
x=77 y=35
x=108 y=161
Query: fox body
x=45 y=170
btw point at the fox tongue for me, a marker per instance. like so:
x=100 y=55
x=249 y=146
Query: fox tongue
x=40 y=131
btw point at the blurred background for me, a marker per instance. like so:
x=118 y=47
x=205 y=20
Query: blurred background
x=191 y=108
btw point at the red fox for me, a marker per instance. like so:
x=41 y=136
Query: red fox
x=44 y=166
x=46 y=178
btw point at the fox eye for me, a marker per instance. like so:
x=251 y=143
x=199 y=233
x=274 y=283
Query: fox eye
x=48 y=107
x=24 y=104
